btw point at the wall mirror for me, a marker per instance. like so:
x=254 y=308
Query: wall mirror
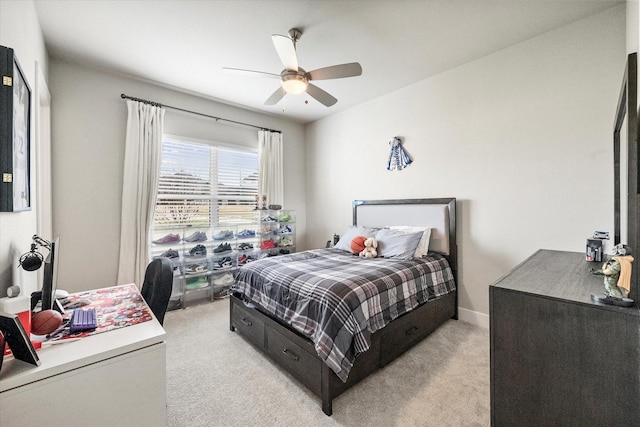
x=625 y=166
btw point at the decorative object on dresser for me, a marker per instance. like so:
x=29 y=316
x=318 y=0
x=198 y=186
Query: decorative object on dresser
x=617 y=278
x=307 y=353
x=557 y=357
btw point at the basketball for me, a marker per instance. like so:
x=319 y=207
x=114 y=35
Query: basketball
x=45 y=322
x=357 y=244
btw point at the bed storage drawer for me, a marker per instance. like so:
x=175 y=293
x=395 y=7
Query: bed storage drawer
x=401 y=334
x=248 y=324
x=296 y=360
x=446 y=307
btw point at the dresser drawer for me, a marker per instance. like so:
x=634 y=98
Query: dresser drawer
x=301 y=364
x=248 y=324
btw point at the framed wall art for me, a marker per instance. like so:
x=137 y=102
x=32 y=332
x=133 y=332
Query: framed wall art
x=15 y=137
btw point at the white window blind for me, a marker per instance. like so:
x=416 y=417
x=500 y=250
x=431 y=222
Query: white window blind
x=204 y=185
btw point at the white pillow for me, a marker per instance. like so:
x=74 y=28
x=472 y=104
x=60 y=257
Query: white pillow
x=397 y=244
x=353 y=231
x=423 y=246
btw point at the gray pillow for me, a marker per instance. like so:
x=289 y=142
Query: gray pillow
x=353 y=231
x=397 y=244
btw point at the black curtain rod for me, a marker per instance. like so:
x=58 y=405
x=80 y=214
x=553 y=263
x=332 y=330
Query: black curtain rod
x=157 y=104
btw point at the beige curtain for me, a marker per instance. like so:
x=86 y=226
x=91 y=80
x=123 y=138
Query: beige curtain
x=139 y=188
x=270 y=148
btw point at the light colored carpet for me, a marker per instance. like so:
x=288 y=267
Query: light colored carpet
x=216 y=378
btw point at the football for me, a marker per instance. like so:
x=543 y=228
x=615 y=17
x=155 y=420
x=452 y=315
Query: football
x=45 y=322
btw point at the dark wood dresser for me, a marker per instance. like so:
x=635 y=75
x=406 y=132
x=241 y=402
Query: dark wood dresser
x=557 y=358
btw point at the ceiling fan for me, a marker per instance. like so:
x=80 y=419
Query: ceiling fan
x=295 y=79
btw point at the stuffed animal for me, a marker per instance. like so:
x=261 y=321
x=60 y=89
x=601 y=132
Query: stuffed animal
x=370 y=248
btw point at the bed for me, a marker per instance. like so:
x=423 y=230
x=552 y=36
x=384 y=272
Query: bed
x=291 y=307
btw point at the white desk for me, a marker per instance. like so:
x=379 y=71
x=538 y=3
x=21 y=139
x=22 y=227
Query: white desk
x=113 y=378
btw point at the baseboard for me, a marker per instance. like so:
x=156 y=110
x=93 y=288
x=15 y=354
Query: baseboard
x=473 y=317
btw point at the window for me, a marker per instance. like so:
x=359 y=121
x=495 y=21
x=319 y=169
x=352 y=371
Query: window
x=204 y=185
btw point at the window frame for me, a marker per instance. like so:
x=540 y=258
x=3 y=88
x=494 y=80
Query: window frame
x=213 y=199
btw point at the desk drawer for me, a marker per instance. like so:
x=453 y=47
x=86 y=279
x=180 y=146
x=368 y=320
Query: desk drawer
x=302 y=365
x=248 y=324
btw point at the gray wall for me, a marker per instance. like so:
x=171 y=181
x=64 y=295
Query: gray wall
x=522 y=137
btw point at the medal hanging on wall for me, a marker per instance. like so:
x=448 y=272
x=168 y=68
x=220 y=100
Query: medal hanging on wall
x=398 y=156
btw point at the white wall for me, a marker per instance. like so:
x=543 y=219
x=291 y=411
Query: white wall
x=20 y=30
x=632 y=14
x=515 y=136
x=89 y=124
x=522 y=138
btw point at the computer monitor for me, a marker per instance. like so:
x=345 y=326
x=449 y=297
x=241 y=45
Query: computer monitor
x=50 y=280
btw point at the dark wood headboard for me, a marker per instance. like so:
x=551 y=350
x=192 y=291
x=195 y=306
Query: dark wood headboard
x=439 y=214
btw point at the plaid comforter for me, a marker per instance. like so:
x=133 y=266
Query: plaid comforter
x=338 y=300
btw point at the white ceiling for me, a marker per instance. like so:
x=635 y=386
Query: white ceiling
x=185 y=44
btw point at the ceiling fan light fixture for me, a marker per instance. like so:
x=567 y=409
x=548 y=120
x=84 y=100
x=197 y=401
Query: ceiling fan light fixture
x=294 y=83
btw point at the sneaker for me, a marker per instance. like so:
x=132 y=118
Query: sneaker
x=169 y=238
x=268 y=218
x=197 y=236
x=285 y=230
x=246 y=234
x=284 y=251
x=198 y=250
x=196 y=282
x=195 y=268
x=242 y=259
x=222 y=248
x=170 y=254
x=285 y=241
x=245 y=246
x=284 y=218
x=225 y=279
x=223 y=235
x=222 y=263
x=268 y=244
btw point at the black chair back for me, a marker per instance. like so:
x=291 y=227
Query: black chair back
x=156 y=289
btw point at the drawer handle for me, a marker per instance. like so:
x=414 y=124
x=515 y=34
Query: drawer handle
x=246 y=322
x=411 y=330
x=291 y=354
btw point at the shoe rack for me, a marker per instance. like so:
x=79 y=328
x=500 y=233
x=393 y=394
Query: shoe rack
x=206 y=259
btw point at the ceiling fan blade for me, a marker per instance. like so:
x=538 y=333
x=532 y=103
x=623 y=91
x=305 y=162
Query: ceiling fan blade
x=286 y=51
x=275 y=97
x=321 y=96
x=351 y=69
x=250 y=72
